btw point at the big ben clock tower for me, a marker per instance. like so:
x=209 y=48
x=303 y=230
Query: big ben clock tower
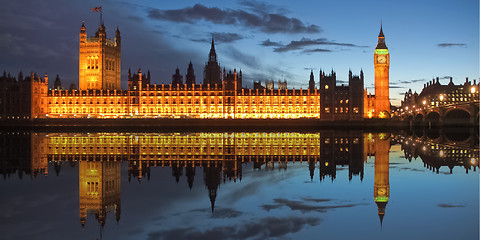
x=382 y=65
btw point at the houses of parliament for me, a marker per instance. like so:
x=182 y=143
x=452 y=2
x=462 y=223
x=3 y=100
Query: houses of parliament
x=220 y=96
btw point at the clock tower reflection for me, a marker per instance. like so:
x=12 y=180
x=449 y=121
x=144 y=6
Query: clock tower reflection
x=381 y=189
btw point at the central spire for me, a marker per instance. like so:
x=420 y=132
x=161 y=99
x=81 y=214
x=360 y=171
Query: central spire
x=213 y=54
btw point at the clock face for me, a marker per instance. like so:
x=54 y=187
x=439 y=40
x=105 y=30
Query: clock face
x=381 y=59
x=381 y=191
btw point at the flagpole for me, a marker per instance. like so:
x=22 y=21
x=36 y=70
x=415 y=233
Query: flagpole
x=101 y=19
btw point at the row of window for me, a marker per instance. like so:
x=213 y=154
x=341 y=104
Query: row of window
x=181 y=110
x=342 y=110
x=92 y=62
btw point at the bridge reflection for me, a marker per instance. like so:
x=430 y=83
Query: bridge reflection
x=442 y=147
x=220 y=157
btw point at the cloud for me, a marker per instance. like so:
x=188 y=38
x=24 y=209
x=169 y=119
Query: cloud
x=268 y=43
x=241 y=58
x=301 y=206
x=316 y=50
x=451 y=45
x=309 y=199
x=305 y=42
x=412 y=81
x=394 y=86
x=413 y=169
x=19 y=46
x=449 y=206
x=259 y=7
x=256 y=70
x=263 y=228
x=10 y=43
x=220 y=212
x=221 y=37
x=263 y=21
x=135 y=18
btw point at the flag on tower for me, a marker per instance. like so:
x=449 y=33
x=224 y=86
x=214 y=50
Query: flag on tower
x=96 y=9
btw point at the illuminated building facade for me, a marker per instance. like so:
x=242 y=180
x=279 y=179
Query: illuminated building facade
x=378 y=105
x=99 y=60
x=221 y=96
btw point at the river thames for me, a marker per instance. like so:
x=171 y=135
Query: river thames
x=240 y=185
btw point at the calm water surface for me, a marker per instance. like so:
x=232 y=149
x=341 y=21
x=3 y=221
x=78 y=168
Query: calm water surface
x=240 y=185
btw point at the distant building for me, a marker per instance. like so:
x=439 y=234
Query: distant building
x=258 y=85
x=57 y=85
x=269 y=84
x=138 y=81
x=311 y=83
x=190 y=76
x=282 y=85
x=177 y=78
x=23 y=98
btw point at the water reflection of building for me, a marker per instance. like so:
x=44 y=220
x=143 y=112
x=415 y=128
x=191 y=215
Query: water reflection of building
x=341 y=148
x=219 y=155
x=21 y=153
x=99 y=189
x=381 y=189
x=437 y=148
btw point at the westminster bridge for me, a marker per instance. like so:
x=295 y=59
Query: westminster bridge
x=442 y=105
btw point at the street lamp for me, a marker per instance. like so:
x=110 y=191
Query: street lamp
x=472 y=90
x=441 y=97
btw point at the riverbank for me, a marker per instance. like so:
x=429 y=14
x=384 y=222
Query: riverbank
x=166 y=124
x=213 y=124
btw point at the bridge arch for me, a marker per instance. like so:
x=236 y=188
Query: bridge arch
x=408 y=118
x=457 y=116
x=432 y=119
x=418 y=119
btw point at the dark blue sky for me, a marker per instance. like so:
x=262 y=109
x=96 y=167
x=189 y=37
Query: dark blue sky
x=266 y=39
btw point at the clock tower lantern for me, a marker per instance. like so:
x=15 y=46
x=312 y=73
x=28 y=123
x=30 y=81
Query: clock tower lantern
x=382 y=65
